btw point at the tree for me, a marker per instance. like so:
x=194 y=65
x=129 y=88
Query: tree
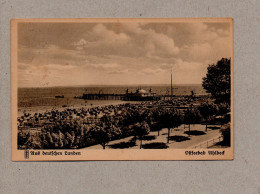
x=156 y=116
x=134 y=115
x=223 y=108
x=225 y=131
x=105 y=132
x=217 y=81
x=141 y=129
x=171 y=119
x=207 y=110
x=191 y=116
x=101 y=135
x=114 y=131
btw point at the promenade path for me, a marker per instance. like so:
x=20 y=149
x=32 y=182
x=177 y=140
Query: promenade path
x=179 y=138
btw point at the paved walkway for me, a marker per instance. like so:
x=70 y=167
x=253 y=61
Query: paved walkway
x=179 y=138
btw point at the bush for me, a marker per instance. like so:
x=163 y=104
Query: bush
x=225 y=131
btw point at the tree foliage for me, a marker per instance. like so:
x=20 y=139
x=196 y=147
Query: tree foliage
x=217 y=81
x=171 y=119
x=223 y=108
x=225 y=131
x=207 y=110
x=104 y=133
x=192 y=116
x=140 y=130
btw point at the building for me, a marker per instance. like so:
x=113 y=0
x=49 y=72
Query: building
x=141 y=95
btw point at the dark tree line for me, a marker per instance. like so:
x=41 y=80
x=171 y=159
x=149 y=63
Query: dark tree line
x=218 y=81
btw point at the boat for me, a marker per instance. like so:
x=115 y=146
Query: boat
x=62 y=96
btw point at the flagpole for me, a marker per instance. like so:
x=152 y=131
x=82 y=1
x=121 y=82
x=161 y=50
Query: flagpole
x=171 y=84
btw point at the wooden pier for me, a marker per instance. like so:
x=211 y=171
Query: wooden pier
x=103 y=96
x=125 y=97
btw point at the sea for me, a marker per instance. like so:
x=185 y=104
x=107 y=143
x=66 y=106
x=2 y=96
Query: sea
x=41 y=99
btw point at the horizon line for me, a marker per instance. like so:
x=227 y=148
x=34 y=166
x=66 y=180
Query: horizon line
x=113 y=85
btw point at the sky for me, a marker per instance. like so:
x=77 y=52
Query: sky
x=73 y=54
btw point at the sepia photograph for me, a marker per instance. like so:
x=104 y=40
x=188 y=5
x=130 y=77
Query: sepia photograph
x=122 y=89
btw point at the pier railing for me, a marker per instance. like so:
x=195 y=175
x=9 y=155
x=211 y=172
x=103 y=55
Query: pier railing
x=209 y=143
x=122 y=97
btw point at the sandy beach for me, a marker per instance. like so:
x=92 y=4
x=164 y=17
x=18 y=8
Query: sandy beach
x=89 y=104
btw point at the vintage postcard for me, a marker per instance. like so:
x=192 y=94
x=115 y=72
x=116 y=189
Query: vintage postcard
x=122 y=89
